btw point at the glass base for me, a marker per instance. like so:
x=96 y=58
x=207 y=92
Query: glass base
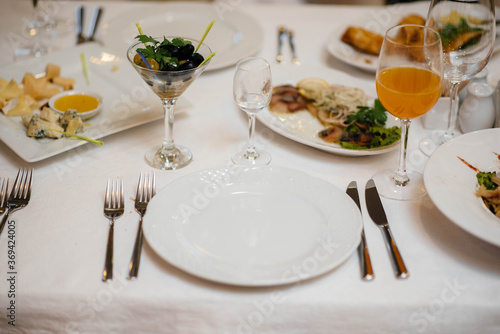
x=429 y=144
x=168 y=160
x=388 y=187
x=259 y=159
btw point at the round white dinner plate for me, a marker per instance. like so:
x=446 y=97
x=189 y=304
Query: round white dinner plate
x=301 y=126
x=451 y=184
x=375 y=20
x=253 y=226
x=234 y=34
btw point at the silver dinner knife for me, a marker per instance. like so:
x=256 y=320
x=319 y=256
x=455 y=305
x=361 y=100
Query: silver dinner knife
x=94 y=22
x=79 y=15
x=281 y=37
x=364 y=256
x=377 y=213
x=291 y=40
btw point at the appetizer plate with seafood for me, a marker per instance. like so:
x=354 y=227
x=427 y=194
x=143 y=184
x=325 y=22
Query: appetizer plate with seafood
x=357 y=41
x=302 y=122
x=33 y=130
x=234 y=35
x=453 y=175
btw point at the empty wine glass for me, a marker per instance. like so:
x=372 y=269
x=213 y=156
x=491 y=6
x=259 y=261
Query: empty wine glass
x=409 y=83
x=169 y=85
x=467 y=29
x=252 y=91
x=32 y=43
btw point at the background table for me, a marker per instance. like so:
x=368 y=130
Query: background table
x=61 y=236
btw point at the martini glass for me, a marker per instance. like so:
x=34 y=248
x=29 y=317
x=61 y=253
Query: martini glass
x=168 y=85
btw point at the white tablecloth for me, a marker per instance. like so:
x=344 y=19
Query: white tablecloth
x=61 y=235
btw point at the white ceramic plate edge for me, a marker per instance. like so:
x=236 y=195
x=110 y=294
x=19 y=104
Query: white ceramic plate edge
x=451 y=184
x=354 y=237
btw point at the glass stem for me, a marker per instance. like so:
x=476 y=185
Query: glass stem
x=401 y=178
x=168 y=110
x=251 y=152
x=452 y=120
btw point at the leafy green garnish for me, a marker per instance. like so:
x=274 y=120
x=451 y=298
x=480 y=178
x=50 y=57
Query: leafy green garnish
x=383 y=137
x=159 y=50
x=372 y=120
x=451 y=32
x=375 y=116
x=484 y=178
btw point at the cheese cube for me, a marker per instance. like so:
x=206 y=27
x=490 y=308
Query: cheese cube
x=68 y=116
x=75 y=125
x=49 y=115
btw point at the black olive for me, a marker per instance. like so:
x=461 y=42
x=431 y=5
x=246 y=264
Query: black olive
x=187 y=65
x=185 y=51
x=172 y=49
x=197 y=59
x=171 y=66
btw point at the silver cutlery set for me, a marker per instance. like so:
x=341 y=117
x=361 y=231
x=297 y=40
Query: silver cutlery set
x=377 y=214
x=19 y=196
x=79 y=23
x=114 y=207
x=283 y=33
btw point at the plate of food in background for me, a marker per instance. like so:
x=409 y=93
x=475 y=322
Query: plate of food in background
x=357 y=42
x=461 y=179
x=234 y=35
x=329 y=110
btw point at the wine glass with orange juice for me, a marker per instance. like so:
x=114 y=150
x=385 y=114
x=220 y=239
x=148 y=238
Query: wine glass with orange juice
x=408 y=80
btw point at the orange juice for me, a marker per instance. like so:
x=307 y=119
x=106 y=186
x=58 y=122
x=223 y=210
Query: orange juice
x=408 y=92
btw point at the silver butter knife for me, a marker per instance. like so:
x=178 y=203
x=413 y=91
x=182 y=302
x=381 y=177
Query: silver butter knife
x=364 y=256
x=377 y=213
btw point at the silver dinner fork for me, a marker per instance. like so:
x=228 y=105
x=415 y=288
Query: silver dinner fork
x=146 y=189
x=4 y=189
x=113 y=208
x=20 y=195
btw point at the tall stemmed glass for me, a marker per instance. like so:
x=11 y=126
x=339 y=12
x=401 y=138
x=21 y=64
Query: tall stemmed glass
x=409 y=78
x=467 y=30
x=33 y=44
x=252 y=91
x=169 y=85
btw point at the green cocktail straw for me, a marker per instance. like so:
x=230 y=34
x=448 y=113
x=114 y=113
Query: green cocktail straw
x=204 y=35
x=93 y=141
x=208 y=58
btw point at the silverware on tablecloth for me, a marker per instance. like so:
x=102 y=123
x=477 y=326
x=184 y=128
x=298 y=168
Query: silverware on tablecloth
x=79 y=15
x=291 y=40
x=4 y=189
x=364 y=255
x=20 y=194
x=94 y=22
x=377 y=213
x=281 y=38
x=146 y=189
x=113 y=208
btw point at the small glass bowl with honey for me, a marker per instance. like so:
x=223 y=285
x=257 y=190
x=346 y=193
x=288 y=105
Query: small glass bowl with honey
x=87 y=104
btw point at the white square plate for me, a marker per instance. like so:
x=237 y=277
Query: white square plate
x=127 y=101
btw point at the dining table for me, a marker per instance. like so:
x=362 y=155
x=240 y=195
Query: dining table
x=51 y=268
